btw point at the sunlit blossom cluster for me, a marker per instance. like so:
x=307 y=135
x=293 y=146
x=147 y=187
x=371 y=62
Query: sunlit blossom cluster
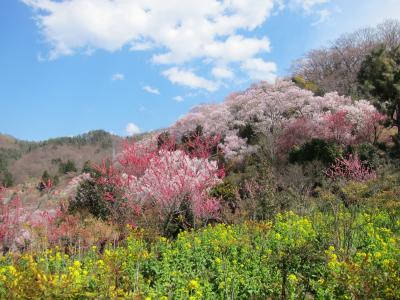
x=167 y=179
x=280 y=112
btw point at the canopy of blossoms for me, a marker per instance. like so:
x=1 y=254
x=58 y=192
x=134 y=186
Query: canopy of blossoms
x=286 y=115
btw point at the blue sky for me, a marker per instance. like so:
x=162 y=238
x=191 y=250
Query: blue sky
x=68 y=67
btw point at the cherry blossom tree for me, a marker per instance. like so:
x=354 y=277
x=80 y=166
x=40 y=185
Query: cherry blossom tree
x=285 y=115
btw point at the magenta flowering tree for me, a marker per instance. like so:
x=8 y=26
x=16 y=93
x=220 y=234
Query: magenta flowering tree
x=351 y=168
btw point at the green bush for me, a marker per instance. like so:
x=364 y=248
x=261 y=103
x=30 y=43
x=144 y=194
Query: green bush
x=247 y=132
x=90 y=198
x=369 y=155
x=7 y=179
x=316 y=149
x=66 y=167
x=88 y=167
x=227 y=192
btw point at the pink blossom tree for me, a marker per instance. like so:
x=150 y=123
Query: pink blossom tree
x=172 y=183
x=283 y=111
x=351 y=168
x=11 y=215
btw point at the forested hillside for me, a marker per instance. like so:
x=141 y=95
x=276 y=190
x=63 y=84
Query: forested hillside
x=21 y=161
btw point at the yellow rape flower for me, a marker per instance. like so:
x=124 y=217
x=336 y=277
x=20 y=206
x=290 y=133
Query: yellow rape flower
x=292 y=278
x=77 y=264
x=12 y=270
x=193 y=284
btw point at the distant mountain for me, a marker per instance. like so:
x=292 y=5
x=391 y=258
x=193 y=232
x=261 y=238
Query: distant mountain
x=21 y=161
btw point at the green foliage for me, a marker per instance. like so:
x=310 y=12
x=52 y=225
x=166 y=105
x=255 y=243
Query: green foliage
x=90 y=198
x=6 y=156
x=55 y=180
x=380 y=77
x=227 y=192
x=7 y=180
x=248 y=132
x=88 y=167
x=91 y=138
x=66 y=167
x=369 y=155
x=46 y=177
x=317 y=149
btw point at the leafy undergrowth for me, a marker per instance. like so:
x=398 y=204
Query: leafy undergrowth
x=350 y=255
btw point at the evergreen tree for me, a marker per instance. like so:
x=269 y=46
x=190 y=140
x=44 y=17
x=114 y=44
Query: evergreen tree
x=380 y=77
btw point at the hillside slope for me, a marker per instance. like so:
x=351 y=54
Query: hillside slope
x=24 y=160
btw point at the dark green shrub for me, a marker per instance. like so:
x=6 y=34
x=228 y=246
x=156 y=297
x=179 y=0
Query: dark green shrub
x=317 y=149
x=227 y=192
x=7 y=180
x=88 y=167
x=368 y=155
x=89 y=198
x=247 y=132
x=56 y=180
x=45 y=176
x=66 y=167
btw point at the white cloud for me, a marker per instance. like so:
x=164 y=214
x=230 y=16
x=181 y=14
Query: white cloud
x=324 y=15
x=175 y=31
x=311 y=7
x=118 y=77
x=222 y=72
x=184 y=28
x=307 y=5
x=178 y=98
x=132 y=129
x=188 y=78
x=233 y=49
x=151 y=90
x=258 y=69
